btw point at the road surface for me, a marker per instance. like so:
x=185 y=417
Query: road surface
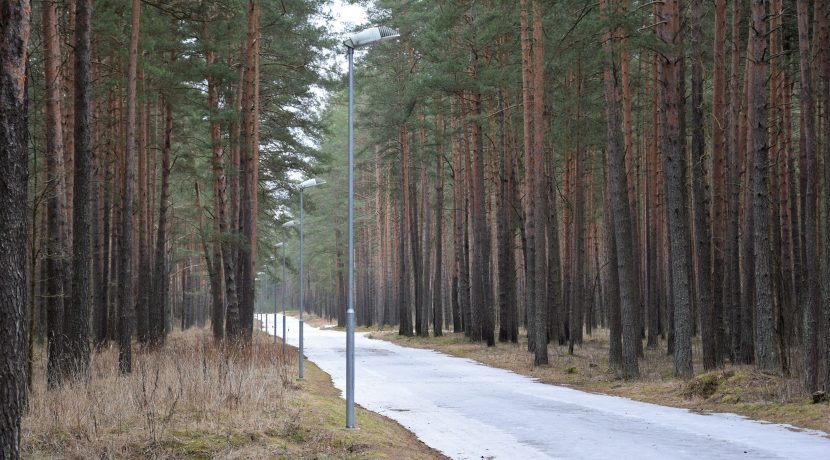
x=470 y=411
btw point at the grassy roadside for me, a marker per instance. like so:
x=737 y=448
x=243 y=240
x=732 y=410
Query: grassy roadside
x=737 y=389
x=194 y=400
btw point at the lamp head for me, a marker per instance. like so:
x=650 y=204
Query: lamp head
x=311 y=183
x=279 y=245
x=289 y=224
x=369 y=36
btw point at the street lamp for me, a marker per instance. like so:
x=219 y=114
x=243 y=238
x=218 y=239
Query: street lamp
x=293 y=223
x=259 y=277
x=358 y=40
x=277 y=246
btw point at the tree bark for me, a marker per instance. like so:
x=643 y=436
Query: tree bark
x=674 y=165
x=767 y=355
x=248 y=175
x=612 y=297
x=731 y=279
x=620 y=211
x=508 y=311
x=14 y=38
x=700 y=194
x=217 y=312
x=530 y=223
x=810 y=284
x=159 y=305
x=461 y=286
x=126 y=306
x=437 y=299
x=55 y=237
x=719 y=124
x=540 y=261
x=825 y=281
x=405 y=309
x=77 y=317
x=142 y=313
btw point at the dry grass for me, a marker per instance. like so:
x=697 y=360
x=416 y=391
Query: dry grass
x=738 y=389
x=193 y=399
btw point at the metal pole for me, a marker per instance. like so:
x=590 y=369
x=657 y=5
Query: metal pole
x=275 y=308
x=302 y=286
x=350 y=311
x=284 y=283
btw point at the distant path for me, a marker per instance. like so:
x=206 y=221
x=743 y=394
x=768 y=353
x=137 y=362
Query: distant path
x=468 y=410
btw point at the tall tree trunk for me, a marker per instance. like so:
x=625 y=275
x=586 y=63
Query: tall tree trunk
x=767 y=355
x=747 y=261
x=528 y=202
x=144 y=272
x=217 y=312
x=632 y=169
x=126 y=307
x=719 y=124
x=417 y=254
x=731 y=279
x=405 y=309
x=620 y=211
x=426 y=246
x=612 y=297
x=99 y=314
x=653 y=221
x=230 y=252
x=69 y=119
x=77 y=317
x=248 y=175
x=578 y=301
x=55 y=237
x=437 y=299
x=14 y=37
x=230 y=255
x=539 y=197
x=825 y=282
x=103 y=330
x=508 y=310
x=700 y=193
x=810 y=284
x=481 y=306
x=215 y=279
x=777 y=184
x=159 y=306
x=674 y=165
x=461 y=286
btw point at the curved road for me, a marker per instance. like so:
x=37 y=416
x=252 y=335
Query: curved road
x=470 y=411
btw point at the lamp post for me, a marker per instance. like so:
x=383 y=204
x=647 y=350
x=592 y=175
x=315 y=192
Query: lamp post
x=293 y=223
x=277 y=246
x=259 y=278
x=358 y=40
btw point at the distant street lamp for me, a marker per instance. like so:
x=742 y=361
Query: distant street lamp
x=260 y=277
x=293 y=223
x=358 y=40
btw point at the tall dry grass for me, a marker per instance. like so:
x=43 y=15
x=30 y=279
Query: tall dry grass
x=191 y=385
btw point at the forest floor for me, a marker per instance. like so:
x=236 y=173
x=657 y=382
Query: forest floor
x=736 y=389
x=193 y=400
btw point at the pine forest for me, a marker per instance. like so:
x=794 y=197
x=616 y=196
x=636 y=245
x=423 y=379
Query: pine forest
x=624 y=197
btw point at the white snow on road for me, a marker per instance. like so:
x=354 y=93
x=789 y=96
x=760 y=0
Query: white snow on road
x=468 y=411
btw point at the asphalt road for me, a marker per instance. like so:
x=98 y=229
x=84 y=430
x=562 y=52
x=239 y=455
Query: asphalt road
x=470 y=411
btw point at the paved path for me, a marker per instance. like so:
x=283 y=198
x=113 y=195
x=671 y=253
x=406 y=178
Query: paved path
x=467 y=410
